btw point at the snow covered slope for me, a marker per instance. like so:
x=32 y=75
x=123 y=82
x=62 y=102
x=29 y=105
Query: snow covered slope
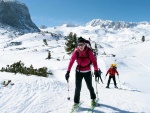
x=32 y=94
x=125 y=32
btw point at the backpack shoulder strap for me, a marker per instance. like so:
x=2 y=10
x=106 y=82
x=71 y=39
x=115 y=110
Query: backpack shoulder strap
x=88 y=55
x=77 y=54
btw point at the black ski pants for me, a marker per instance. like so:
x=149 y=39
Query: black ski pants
x=114 y=79
x=78 y=83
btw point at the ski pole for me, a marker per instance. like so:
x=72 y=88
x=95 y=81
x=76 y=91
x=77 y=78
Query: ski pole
x=92 y=73
x=103 y=82
x=68 y=90
x=96 y=89
x=119 y=81
x=104 y=78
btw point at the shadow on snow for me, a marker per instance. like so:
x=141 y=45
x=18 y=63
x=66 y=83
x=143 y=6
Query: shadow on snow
x=114 y=109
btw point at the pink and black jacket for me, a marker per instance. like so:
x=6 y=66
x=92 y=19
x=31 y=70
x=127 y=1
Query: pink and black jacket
x=84 y=59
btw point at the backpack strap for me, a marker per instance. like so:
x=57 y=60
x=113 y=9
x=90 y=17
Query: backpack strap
x=88 y=56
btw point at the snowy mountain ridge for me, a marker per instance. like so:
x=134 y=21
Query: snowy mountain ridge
x=107 y=31
x=115 y=25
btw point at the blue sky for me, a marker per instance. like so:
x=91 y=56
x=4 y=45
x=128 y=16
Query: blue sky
x=57 y=12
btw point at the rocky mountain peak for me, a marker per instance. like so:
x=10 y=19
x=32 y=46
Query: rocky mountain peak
x=16 y=15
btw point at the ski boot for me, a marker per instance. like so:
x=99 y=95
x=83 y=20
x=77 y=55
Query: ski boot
x=116 y=87
x=75 y=105
x=107 y=86
x=93 y=102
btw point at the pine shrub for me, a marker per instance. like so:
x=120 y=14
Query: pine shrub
x=71 y=43
x=19 y=67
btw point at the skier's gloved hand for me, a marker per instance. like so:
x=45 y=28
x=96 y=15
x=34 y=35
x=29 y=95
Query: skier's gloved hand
x=97 y=75
x=67 y=75
x=118 y=75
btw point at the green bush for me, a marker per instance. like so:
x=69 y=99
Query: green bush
x=49 y=55
x=45 y=42
x=143 y=38
x=71 y=43
x=19 y=67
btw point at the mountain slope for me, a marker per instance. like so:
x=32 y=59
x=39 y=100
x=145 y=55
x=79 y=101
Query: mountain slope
x=44 y=95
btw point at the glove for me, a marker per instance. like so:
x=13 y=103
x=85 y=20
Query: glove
x=67 y=75
x=118 y=75
x=97 y=76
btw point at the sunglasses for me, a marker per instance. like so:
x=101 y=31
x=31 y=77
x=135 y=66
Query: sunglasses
x=80 y=44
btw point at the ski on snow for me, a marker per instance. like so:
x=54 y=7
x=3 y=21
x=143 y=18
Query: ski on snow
x=75 y=108
x=92 y=107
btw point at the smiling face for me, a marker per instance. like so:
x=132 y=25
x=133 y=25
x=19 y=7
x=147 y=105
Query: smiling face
x=81 y=46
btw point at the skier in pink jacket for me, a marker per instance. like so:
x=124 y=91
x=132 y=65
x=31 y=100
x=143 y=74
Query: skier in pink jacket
x=84 y=58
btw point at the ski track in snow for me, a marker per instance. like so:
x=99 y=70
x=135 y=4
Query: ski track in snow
x=48 y=95
x=37 y=96
x=142 y=64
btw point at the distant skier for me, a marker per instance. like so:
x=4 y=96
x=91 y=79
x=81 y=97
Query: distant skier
x=84 y=57
x=100 y=72
x=112 y=71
